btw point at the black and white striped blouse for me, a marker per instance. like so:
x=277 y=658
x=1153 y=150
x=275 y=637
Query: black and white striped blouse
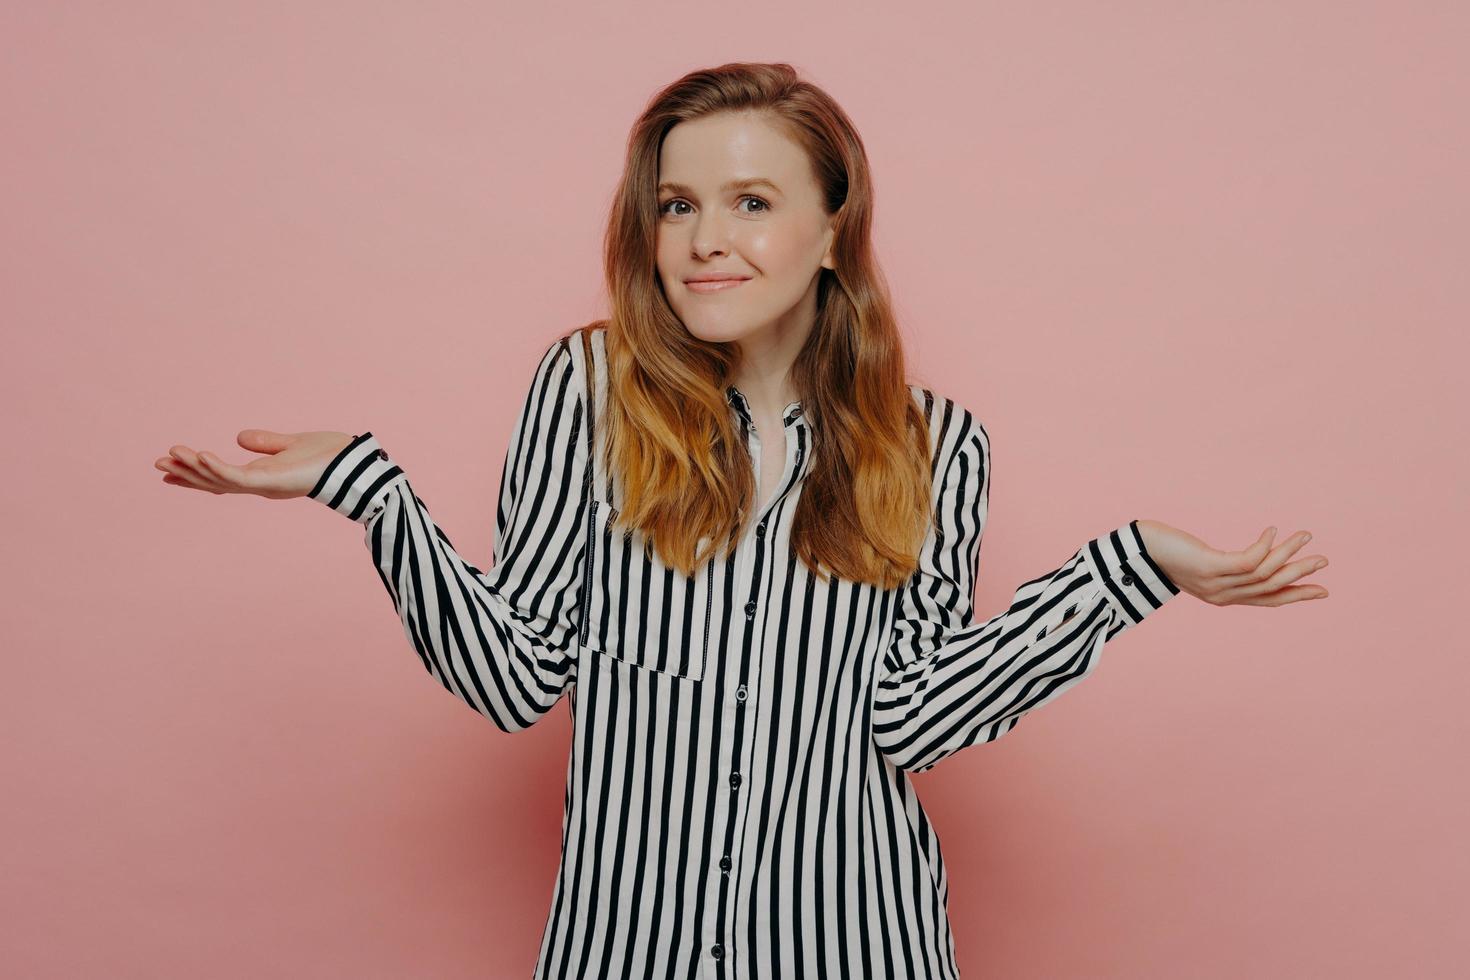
x=738 y=801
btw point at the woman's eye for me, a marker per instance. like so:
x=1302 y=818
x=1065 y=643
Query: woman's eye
x=667 y=205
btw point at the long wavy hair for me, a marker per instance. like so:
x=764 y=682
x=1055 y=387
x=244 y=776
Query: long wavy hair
x=680 y=460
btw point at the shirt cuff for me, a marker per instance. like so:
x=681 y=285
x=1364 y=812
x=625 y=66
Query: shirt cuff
x=356 y=481
x=1131 y=580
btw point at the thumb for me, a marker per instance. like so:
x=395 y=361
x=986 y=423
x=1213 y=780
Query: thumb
x=1244 y=561
x=264 y=440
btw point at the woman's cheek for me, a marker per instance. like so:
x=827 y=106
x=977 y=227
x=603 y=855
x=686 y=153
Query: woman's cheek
x=772 y=250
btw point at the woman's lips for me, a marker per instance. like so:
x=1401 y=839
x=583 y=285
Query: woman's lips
x=714 y=285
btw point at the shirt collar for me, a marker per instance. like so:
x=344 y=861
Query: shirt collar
x=792 y=414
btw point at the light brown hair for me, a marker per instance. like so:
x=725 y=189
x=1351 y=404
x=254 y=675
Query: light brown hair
x=682 y=463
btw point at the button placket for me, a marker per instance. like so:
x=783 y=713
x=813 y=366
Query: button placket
x=729 y=807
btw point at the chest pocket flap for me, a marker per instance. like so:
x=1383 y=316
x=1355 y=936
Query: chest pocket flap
x=637 y=609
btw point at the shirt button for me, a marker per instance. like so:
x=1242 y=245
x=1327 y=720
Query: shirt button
x=750 y=609
x=725 y=863
x=1127 y=579
x=382 y=454
x=734 y=779
x=717 y=951
x=760 y=529
x=740 y=693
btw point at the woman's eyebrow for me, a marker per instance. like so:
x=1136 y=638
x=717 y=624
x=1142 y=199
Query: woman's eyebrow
x=732 y=185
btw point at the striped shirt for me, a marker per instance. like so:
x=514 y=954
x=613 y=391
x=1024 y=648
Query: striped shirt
x=738 y=800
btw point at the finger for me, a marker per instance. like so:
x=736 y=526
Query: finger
x=172 y=480
x=1289 y=547
x=1292 y=571
x=226 y=473
x=187 y=459
x=205 y=470
x=1267 y=564
x=185 y=475
x=264 y=440
x=180 y=471
x=1282 y=578
x=1238 y=566
x=1295 y=593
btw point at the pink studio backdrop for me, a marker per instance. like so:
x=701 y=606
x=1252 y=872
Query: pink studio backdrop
x=1186 y=262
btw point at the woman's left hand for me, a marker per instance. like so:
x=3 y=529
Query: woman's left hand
x=1258 y=576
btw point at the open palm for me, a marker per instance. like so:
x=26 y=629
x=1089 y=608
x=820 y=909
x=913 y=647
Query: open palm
x=289 y=465
x=1264 y=574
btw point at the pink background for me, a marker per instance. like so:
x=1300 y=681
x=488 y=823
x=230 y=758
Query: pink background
x=1191 y=262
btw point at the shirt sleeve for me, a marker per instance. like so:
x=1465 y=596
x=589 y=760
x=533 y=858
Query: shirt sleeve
x=947 y=682
x=502 y=640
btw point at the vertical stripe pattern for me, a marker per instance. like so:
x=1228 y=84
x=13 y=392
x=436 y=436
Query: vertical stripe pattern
x=738 y=801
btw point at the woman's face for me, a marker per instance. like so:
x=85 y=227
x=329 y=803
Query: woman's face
x=773 y=235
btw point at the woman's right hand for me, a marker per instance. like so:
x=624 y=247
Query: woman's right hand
x=290 y=464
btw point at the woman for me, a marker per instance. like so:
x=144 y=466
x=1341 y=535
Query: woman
x=746 y=546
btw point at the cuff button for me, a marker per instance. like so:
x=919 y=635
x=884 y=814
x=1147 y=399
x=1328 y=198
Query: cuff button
x=1127 y=579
